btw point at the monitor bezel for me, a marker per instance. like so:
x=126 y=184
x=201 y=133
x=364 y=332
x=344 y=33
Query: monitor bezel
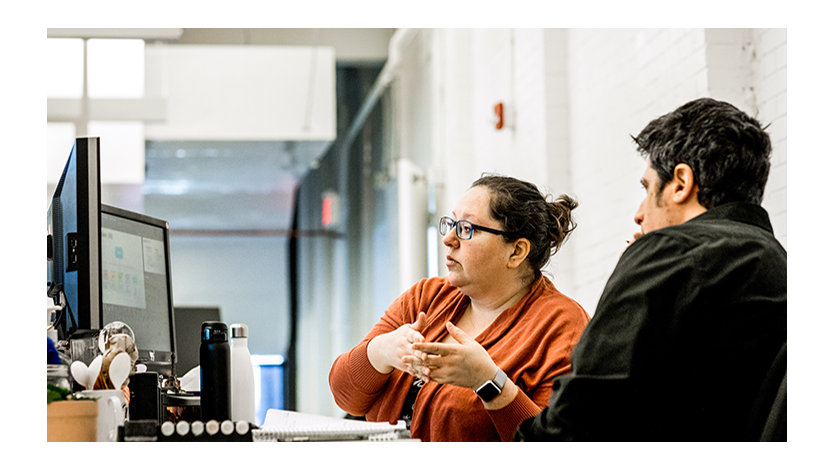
x=155 y=360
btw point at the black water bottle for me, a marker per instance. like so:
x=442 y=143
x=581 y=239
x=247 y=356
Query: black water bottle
x=215 y=372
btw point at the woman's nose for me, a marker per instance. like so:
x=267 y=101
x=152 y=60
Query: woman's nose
x=450 y=238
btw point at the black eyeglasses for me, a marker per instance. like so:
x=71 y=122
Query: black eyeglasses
x=464 y=228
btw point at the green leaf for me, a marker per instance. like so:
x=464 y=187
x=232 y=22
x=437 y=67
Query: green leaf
x=54 y=393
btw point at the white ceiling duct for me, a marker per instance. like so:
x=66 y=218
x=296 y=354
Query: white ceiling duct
x=241 y=93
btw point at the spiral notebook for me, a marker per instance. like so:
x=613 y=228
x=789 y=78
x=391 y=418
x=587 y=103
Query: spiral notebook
x=282 y=425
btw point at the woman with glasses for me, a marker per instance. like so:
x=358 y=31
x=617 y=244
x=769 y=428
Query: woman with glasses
x=469 y=356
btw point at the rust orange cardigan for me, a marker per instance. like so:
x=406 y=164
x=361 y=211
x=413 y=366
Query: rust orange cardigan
x=531 y=341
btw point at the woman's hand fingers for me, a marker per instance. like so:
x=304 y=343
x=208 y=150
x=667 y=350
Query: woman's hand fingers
x=437 y=349
x=416 y=367
x=459 y=335
x=387 y=350
x=464 y=363
x=420 y=322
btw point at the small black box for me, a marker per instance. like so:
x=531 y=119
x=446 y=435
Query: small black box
x=144 y=396
x=139 y=431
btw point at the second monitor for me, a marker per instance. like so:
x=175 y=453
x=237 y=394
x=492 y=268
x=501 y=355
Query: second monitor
x=136 y=283
x=187 y=323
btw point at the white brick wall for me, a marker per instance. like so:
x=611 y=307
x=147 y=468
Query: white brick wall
x=618 y=80
x=576 y=95
x=770 y=70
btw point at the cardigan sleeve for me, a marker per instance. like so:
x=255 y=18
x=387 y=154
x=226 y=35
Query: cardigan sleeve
x=354 y=381
x=507 y=419
x=355 y=384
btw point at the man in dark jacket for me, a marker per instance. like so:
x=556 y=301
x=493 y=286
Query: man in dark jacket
x=695 y=312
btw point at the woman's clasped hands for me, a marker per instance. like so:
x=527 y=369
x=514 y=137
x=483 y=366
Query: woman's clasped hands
x=462 y=362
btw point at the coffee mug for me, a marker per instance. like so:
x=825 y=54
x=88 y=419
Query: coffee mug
x=112 y=412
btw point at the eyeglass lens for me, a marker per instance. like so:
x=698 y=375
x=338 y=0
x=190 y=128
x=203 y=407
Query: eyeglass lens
x=446 y=223
x=463 y=229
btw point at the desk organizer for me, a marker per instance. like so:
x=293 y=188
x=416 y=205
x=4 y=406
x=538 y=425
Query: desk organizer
x=185 y=431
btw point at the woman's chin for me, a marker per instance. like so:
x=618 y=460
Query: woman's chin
x=454 y=279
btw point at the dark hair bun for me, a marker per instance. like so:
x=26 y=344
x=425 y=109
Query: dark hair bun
x=522 y=210
x=562 y=223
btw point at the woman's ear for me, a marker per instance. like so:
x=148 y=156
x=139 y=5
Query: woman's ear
x=521 y=248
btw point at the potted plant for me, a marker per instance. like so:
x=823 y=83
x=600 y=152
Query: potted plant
x=69 y=419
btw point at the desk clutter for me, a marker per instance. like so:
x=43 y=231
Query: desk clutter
x=92 y=405
x=111 y=398
x=104 y=394
x=184 y=431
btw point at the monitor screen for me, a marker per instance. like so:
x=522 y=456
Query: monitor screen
x=73 y=221
x=188 y=321
x=136 y=282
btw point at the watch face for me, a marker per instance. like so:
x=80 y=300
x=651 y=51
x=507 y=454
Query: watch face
x=488 y=391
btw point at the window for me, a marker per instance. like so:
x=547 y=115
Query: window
x=60 y=138
x=122 y=150
x=64 y=68
x=116 y=68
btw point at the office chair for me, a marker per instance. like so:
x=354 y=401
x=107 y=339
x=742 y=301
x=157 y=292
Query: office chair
x=769 y=420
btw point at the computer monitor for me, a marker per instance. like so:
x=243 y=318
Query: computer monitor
x=188 y=321
x=73 y=237
x=107 y=264
x=136 y=283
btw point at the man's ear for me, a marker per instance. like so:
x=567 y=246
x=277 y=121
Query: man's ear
x=521 y=248
x=684 y=189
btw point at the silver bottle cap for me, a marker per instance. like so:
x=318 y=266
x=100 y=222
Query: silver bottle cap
x=240 y=330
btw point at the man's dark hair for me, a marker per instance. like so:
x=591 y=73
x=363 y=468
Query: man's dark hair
x=728 y=151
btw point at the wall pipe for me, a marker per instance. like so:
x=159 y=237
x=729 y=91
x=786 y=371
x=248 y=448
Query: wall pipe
x=340 y=319
x=400 y=38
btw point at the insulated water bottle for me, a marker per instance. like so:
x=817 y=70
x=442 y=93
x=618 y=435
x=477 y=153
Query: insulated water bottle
x=215 y=372
x=243 y=379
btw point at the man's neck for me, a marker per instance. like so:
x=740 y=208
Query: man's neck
x=690 y=211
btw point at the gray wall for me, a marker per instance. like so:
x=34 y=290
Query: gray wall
x=245 y=276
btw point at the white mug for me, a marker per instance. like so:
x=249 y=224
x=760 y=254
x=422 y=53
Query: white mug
x=112 y=412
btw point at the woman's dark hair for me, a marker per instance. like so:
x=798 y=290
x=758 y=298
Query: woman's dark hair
x=525 y=213
x=728 y=151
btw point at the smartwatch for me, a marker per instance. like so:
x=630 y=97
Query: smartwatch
x=492 y=388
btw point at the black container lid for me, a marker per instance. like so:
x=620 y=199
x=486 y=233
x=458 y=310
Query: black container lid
x=214 y=332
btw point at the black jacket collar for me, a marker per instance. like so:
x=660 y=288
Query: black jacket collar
x=744 y=212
